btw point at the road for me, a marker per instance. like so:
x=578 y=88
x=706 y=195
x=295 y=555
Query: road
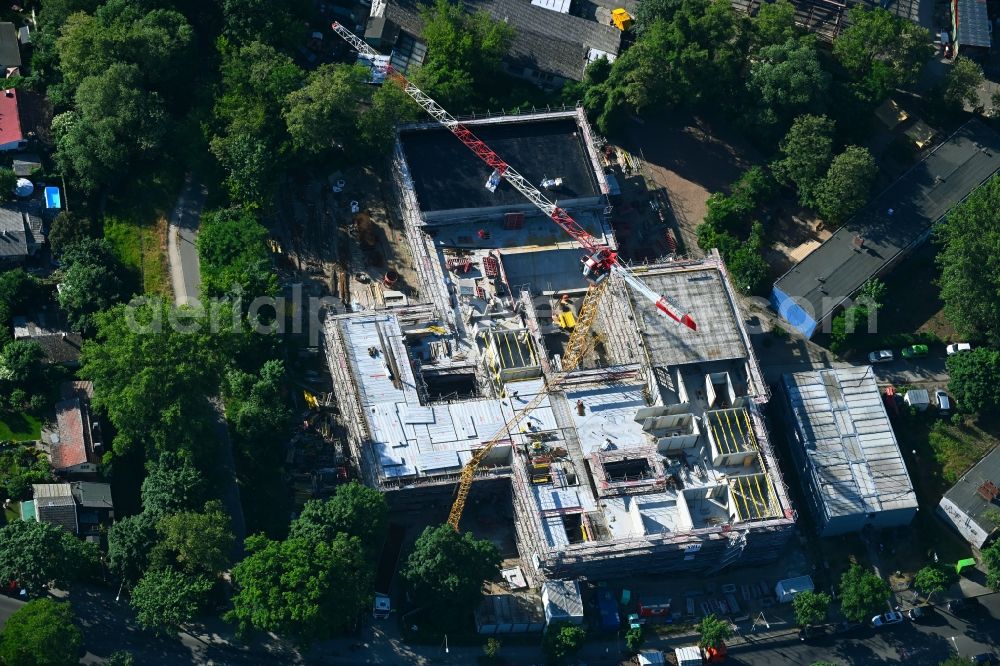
x=184 y=269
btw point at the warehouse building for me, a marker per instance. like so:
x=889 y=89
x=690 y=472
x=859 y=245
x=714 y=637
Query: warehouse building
x=845 y=451
x=972 y=506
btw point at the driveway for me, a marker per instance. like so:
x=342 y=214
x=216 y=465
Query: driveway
x=924 y=372
x=184 y=269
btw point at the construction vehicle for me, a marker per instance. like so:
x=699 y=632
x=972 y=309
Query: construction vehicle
x=599 y=263
x=621 y=19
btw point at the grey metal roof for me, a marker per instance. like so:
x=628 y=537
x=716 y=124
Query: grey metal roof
x=54 y=504
x=965 y=494
x=10 y=50
x=544 y=40
x=13 y=234
x=918 y=199
x=93 y=495
x=973 y=23
x=848 y=443
x=562 y=599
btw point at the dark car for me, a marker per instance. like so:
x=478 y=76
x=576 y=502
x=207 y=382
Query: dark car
x=813 y=634
x=983 y=658
x=962 y=606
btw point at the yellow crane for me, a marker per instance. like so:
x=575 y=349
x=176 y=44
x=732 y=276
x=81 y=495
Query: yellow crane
x=576 y=348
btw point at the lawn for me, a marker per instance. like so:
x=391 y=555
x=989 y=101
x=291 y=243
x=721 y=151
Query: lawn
x=18 y=427
x=136 y=226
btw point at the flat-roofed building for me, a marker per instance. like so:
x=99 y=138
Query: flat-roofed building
x=845 y=451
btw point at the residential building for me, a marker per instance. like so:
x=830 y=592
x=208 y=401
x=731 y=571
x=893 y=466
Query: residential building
x=10 y=50
x=550 y=44
x=60 y=346
x=845 y=451
x=11 y=135
x=79 y=507
x=53 y=503
x=76 y=448
x=972 y=505
x=887 y=229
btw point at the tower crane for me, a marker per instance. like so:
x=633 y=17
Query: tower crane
x=599 y=262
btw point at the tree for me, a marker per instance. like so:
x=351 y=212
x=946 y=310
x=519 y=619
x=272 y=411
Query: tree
x=447 y=569
x=164 y=599
x=256 y=20
x=355 y=510
x=36 y=554
x=233 y=255
x=120 y=658
x=931 y=579
x=116 y=124
x=969 y=236
x=21 y=363
x=7 y=183
x=811 y=607
x=198 y=543
x=91 y=281
x=41 y=633
x=964 y=80
x=954 y=660
x=747 y=265
x=153 y=370
x=713 y=631
x=787 y=78
x=807 y=150
x=634 y=639
x=844 y=189
x=130 y=540
x=872 y=293
x=652 y=11
x=974 y=379
x=324 y=113
x=491 y=649
x=20 y=467
x=464 y=52
x=304 y=589
x=862 y=593
x=991 y=558
x=173 y=484
x=563 y=641
x=882 y=51
x=68 y=229
x=774 y=24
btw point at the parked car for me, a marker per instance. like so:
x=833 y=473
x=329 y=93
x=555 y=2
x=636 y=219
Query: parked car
x=892 y=617
x=956 y=347
x=943 y=402
x=914 y=351
x=918 y=613
x=983 y=658
x=962 y=606
x=882 y=356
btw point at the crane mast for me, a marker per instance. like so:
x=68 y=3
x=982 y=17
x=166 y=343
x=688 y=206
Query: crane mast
x=600 y=261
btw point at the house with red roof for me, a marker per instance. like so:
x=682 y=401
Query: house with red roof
x=11 y=136
x=76 y=448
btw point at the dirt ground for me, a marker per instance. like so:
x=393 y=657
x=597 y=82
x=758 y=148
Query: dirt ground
x=321 y=242
x=690 y=158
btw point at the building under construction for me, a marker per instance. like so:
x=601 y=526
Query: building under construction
x=652 y=455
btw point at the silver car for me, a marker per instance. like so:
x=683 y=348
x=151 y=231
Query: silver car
x=883 y=356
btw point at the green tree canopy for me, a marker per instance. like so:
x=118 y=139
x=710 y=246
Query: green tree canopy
x=323 y=114
x=164 y=599
x=173 y=484
x=20 y=467
x=256 y=20
x=116 y=124
x=931 y=579
x=652 y=11
x=41 y=633
x=36 y=554
x=447 y=569
x=130 y=540
x=355 y=510
x=196 y=542
x=964 y=79
x=787 y=78
x=846 y=186
x=974 y=379
x=69 y=228
x=991 y=558
x=774 y=24
x=807 y=149
x=970 y=276
x=563 y=641
x=153 y=370
x=811 y=607
x=233 y=255
x=883 y=51
x=91 y=281
x=713 y=631
x=304 y=589
x=21 y=364
x=862 y=594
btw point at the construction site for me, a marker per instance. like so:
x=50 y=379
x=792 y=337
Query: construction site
x=628 y=442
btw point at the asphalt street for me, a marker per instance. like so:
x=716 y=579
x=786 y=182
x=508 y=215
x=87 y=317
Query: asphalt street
x=183 y=253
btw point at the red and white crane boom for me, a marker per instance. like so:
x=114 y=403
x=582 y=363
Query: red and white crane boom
x=600 y=262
